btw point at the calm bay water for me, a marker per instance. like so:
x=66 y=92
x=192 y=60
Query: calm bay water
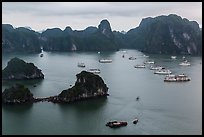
x=163 y=108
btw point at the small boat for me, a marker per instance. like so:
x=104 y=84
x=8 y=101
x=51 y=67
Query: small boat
x=139 y=66
x=123 y=56
x=41 y=55
x=185 y=63
x=173 y=57
x=163 y=72
x=149 y=62
x=145 y=56
x=132 y=58
x=115 y=124
x=95 y=71
x=99 y=52
x=81 y=65
x=156 y=68
x=105 y=60
x=135 y=121
x=177 y=78
x=137 y=99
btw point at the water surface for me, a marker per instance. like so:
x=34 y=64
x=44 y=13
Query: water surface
x=163 y=108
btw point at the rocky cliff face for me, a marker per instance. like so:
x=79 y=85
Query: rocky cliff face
x=88 y=85
x=105 y=28
x=17 y=94
x=20 y=39
x=18 y=69
x=166 y=35
x=160 y=35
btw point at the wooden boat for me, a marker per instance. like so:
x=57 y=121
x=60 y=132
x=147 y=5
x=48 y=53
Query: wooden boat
x=115 y=124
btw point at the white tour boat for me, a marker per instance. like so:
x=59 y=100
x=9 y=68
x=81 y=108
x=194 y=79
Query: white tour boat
x=139 y=66
x=156 y=68
x=105 y=60
x=177 y=78
x=185 y=63
x=149 y=62
x=163 y=72
x=173 y=57
x=95 y=71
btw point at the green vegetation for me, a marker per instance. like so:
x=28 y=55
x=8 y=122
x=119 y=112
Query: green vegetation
x=161 y=35
x=88 y=84
x=17 y=94
x=19 y=39
x=19 y=69
x=166 y=35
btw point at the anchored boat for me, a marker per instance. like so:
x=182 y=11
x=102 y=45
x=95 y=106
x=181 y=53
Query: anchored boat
x=95 y=71
x=149 y=62
x=139 y=66
x=163 y=72
x=156 y=68
x=115 y=124
x=177 y=78
x=132 y=58
x=185 y=63
x=105 y=60
x=81 y=65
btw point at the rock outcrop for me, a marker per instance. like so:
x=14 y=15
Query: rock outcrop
x=17 y=94
x=105 y=28
x=159 y=35
x=18 y=69
x=166 y=35
x=88 y=85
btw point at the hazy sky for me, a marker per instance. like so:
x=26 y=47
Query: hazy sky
x=80 y=15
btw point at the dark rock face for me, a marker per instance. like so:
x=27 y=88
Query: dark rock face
x=166 y=35
x=105 y=28
x=88 y=85
x=160 y=35
x=18 y=69
x=20 y=39
x=17 y=94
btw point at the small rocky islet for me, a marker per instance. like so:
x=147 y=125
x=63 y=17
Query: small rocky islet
x=87 y=86
x=17 y=94
x=18 y=69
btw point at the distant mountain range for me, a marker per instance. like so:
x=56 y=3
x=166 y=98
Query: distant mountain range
x=160 y=35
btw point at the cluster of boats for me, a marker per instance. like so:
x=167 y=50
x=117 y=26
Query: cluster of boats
x=184 y=63
x=163 y=71
x=157 y=69
x=93 y=70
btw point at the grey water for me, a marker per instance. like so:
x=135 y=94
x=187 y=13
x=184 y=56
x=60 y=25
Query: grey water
x=163 y=108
